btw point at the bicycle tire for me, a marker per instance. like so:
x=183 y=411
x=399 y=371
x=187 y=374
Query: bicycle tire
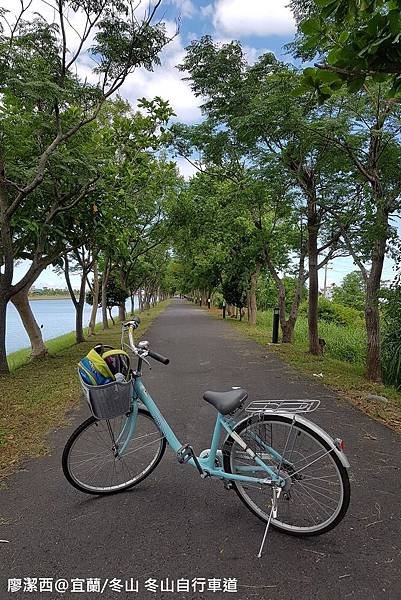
x=73 y=480
x=343 y=478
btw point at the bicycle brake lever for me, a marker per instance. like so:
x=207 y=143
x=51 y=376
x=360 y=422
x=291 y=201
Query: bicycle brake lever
x=147 y=362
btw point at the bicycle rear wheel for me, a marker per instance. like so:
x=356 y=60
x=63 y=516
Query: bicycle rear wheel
x=317 y=493
x=92 y=459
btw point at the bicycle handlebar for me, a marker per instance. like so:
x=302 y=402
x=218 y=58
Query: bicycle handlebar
x=158 y=357
x=141 y=353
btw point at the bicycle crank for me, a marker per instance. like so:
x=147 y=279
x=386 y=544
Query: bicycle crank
x=185 y=454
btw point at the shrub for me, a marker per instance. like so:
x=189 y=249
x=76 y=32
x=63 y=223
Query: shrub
x=218 y=299
x=343 y=342
x=333 y=312
x=351 y=292
x=391 y=337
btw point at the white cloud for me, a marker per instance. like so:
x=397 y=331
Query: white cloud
x=253 y=17
x=207 y=11
x=252 y=54
x=74 y=21
x=165 y=81
x=186 y=7
x=185 y=168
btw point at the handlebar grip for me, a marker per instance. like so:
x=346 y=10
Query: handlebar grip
x=159 y=357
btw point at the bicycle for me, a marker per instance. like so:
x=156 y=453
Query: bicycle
x=288 y=471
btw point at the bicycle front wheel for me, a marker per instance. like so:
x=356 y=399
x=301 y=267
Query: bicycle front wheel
x=317 y=491
x=96 y=462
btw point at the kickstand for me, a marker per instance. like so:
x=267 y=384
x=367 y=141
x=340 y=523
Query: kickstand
x=273 y=513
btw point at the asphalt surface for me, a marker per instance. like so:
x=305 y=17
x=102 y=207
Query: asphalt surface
x=176 y=525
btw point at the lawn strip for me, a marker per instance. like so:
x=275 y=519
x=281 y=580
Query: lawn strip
x=36 y=397
x=346 y=378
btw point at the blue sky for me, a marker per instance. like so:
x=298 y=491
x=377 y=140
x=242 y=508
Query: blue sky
x=260 y=25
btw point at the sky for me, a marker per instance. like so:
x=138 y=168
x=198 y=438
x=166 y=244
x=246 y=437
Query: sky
x=260 y=25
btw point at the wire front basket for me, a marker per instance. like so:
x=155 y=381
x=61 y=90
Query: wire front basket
x=109 y=400
x=282 y=406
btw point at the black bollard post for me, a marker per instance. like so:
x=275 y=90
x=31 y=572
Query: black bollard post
x=208 y=303
x=275 y=325
x=224 y=309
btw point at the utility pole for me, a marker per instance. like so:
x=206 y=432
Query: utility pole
x=326 y=268
x=325 y=279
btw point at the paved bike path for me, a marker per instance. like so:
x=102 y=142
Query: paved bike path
x=177 y=525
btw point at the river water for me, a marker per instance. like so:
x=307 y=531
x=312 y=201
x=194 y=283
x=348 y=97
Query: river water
x=56 y=317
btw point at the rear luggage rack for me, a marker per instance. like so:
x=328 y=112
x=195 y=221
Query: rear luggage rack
x=282 y=406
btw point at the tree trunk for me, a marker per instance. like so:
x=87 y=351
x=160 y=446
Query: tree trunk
x=288 y=331
x=104 y=294
x=95 y=305
x=78 y=304
x=111 y=317
x=79 y=317
x=132 y=297
x=79 y=311
x=313 y=298
x=7 y=269
x=121 y=312
x=372 y=321
x=372 y=315
x=21 y=303
x=4 y=369
x=288 y=325
x=252 y=296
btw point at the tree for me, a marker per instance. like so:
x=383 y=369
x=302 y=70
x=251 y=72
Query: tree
x=235 y=290
x=352 y=291
x=391 y=346
x=83 y=264
x=137 y=181
x=254 y=105
x=115 y=295
x=372 y=147
x=46 y=106
x=355 y=41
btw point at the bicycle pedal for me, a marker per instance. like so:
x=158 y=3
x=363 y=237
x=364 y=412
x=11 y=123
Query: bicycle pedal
x=185 y=454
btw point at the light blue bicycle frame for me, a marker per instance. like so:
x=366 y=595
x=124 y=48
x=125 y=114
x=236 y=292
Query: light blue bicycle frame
x=207 y=464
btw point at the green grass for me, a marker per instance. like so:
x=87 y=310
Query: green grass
x=343 y=342
x=22 y=357
x=342 y=366
x=37 y=396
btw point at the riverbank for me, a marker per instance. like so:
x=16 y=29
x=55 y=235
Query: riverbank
x=344 y=377
x=36 y=397
x=61 y=297
x=56 y=318
x=22 y=357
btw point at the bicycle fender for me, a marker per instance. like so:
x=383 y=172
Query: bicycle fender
x=343 y=459
x=315 y=428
